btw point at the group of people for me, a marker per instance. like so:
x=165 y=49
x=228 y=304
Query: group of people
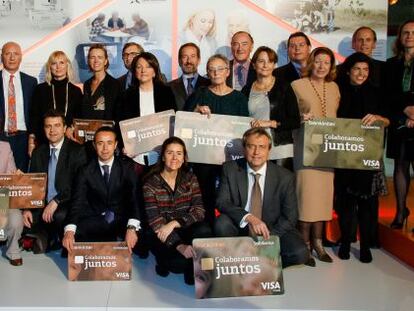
x=96 y=192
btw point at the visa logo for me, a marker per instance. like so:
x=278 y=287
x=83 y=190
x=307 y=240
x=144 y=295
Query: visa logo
x=371 y=163
x=36 y=202
x=274 y=285
x=122 y=275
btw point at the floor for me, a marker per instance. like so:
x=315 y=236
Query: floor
x=41 y=284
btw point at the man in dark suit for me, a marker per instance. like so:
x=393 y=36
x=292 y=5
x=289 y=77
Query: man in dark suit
x=129 y=51
x=258 y=197
x=105 y=202
x=16 y=89
x=190 y=80
x=60 y=158
x=299 y=48
x=241 y=69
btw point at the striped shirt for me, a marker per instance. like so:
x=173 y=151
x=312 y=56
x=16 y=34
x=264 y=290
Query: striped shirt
x=183 y=204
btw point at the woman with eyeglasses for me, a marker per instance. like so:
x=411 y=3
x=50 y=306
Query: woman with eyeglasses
x=273 y=104
x=217 y=98
x=57 y=92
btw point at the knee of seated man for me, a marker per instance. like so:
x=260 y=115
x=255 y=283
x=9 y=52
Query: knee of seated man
x=224 y=227
x=15 y=220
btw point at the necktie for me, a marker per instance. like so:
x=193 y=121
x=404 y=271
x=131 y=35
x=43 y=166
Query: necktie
x=51 y=174
x=190 y=88
x=109 y=214
x=406 y=81
x=239 y=73
x=256 y=199
x=12 y=118
x=106 y=174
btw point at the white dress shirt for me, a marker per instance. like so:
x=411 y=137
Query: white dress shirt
x=250 y=180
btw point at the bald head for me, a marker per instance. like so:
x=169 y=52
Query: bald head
x=11 y=56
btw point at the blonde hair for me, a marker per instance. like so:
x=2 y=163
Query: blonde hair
x=311 y=61
x=52 y=58
x=189 y=23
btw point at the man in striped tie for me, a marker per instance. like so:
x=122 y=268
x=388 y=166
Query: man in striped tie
x=16 y=89
x=257 y=197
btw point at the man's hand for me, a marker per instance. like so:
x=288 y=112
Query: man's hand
x=409 y=123
x=409 y=112
x=258 y=226
x=131 y=238
x=186 y=250
x=165 y=230
x=69 y=240
x=49 y=211
x=27 y=218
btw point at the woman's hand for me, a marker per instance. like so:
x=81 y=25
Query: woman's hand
x=370 y=119
x=164 y=232
x=307 y=116
x=203 y=110
x=263 y=123
x=186 y=250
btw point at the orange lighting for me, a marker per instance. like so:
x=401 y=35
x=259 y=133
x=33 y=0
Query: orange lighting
x=392 y=2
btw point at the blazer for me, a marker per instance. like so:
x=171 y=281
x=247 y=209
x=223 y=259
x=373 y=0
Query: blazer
x=163 y=100
x=71 y=157
x=279 y=211
x=286 y=74
x=283 y=109
x=180 y=93
x=7 y=165
x=251 y=75
x=28 y=85
x=92 y=198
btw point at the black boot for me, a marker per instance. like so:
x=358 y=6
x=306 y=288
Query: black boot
x=344 y=250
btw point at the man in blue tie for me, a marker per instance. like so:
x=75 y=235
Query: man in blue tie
x=189 y=56
x=105 y=200
x=60 y=158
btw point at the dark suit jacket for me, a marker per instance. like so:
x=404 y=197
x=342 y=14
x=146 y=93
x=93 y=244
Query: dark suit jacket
x=251 y=75
x=279 y=199
x=286 y=74
x=92 y=198
x=28 y=85
x=163 y=100
x=71 y=157
x=180 y=93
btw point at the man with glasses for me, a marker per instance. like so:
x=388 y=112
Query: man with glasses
x=299 y=48
x=241 y=70
x=130 y=50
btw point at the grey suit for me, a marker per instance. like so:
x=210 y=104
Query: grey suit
x=279 y=211
x=14 y=226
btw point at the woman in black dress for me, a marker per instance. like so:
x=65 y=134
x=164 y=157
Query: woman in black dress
x=357 y=190
x=400 y=91
x=58 y=93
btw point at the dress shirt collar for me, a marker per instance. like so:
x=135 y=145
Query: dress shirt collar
x=110 y=163
x=261 y=171
x=245 y=65
x=7 y=74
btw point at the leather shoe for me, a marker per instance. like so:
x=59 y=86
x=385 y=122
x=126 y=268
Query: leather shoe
x=16 y=262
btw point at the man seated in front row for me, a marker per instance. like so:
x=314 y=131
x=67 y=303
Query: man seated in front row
x=60 y=158
x=257 y=197
x=105 y=203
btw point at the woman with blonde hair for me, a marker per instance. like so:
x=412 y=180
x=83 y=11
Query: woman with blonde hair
x=57 y=92
x=318 y=97
x=200 y=28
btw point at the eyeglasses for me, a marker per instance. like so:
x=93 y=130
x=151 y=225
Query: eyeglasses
x=217 y=69
x=132 y=54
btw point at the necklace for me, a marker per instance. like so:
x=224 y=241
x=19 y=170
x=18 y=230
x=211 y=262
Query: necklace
x=66 y=99
x=266 y=86
x=322 y=99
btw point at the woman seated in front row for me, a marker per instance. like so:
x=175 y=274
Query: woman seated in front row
x=174 y=210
